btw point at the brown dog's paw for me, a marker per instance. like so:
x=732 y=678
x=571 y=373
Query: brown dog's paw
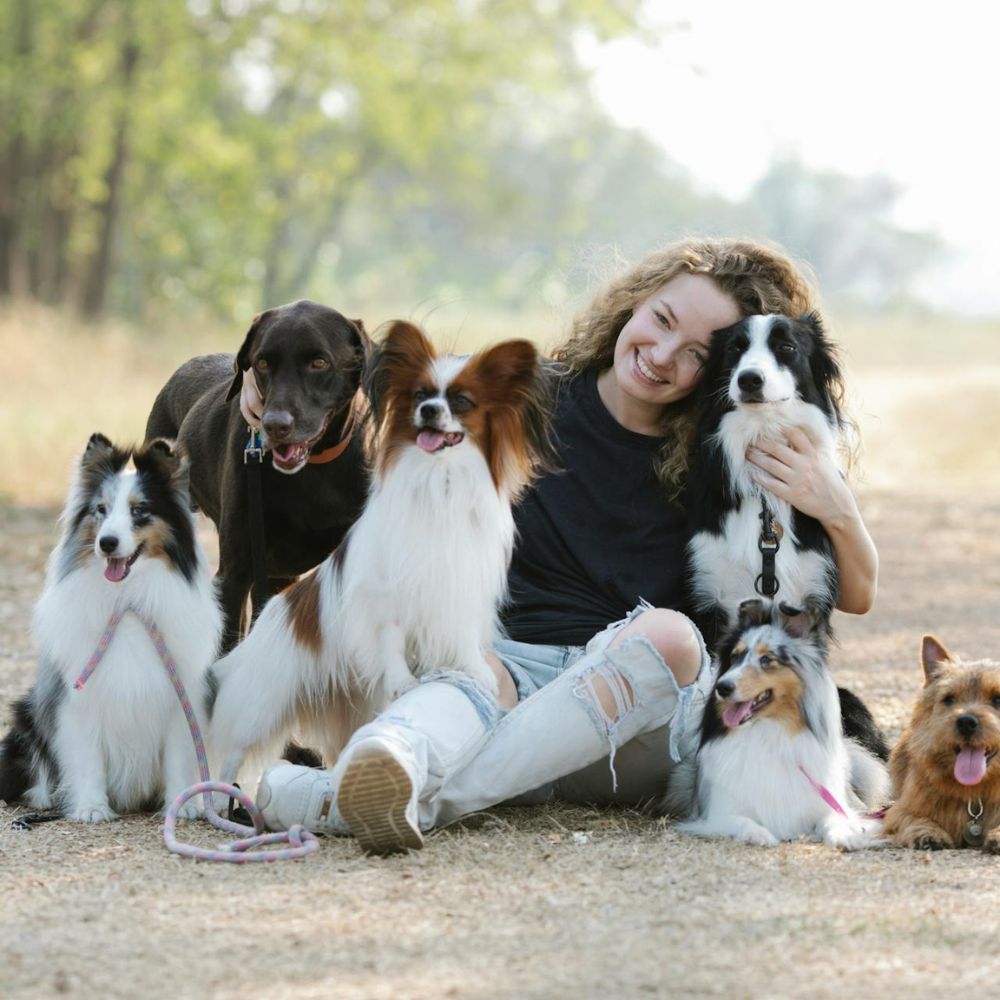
x=932 y=842
x=991 y=845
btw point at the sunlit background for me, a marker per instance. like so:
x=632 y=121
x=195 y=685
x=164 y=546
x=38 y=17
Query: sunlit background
x=167 y=170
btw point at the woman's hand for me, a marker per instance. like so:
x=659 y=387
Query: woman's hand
x=798 y=472
x=251 y=404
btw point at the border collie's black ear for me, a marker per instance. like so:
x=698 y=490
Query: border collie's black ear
x=823 y=362
x=933 y=658
x=242 y=362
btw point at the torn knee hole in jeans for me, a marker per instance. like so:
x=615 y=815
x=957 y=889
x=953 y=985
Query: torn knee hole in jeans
x=609 y=697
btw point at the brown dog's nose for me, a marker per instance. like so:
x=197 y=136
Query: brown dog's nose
x=278 y=425
x=966 y=724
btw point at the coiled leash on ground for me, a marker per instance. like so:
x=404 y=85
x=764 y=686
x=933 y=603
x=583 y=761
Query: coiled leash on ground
x=302 y=841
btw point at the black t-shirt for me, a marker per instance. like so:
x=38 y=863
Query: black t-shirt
x=597 y=535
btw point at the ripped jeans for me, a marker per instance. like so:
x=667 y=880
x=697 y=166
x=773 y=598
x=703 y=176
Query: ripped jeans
x=560 y=743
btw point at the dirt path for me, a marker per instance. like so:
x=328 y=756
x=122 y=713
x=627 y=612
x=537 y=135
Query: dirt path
x=557 y=902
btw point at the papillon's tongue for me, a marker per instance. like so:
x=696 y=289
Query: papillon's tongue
x=116 y=570
x=970 y=766
x=430 y=440
x=735 y=714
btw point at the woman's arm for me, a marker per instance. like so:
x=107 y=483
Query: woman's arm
x=799 y=473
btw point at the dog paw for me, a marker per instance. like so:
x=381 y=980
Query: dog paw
x=93 y=813
x=991 y=845
x=848 y=839
x=927 y=842
x=192 y=809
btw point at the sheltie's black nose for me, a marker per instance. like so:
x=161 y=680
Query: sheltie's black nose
x=108 y=544
x=966 y=724
x=725 y=687
x=750 y=380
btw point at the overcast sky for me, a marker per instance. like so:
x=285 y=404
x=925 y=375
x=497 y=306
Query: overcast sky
x=854 y=86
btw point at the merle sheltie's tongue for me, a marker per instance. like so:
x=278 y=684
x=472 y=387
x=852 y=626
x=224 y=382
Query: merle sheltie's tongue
x=430 y=440
x=970 y=766
x=735 y=714
x=116 y=570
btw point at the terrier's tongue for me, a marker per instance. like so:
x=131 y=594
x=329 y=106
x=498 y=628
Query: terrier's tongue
x=430 y=440
x=117 y=568
x=970 y=766
x=735 y=714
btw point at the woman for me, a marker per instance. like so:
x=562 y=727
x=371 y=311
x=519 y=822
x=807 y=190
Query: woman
x=589 y=711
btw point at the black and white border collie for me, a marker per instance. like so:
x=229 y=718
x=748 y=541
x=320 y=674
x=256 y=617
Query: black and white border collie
x=773 y=762
x=121 y=742
x=763 y=375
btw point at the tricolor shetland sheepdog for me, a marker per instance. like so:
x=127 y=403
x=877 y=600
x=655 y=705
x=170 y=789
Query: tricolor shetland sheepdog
x=121 y=741
x=763 y=375
x=415 y=586
x=773 y=763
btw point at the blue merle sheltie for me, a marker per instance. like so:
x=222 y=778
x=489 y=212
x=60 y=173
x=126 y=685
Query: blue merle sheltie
x=763 y=375
x=121 y=741
x=773 y=762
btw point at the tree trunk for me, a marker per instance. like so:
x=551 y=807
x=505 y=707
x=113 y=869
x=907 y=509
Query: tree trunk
x=98 y=271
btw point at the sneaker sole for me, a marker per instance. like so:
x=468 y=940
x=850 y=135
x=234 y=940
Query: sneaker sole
x=374 y=793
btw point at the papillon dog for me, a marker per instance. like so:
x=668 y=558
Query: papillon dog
x=764 y=375
x=120 y=741
x=416 y=584
x=773 y=763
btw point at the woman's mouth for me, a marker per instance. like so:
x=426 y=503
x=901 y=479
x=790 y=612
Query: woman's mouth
x=646 y=373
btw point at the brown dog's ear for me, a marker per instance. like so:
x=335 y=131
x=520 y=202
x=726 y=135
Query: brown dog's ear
x=933 y=658
x=243 y=362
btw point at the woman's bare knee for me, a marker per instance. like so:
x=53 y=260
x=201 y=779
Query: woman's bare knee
x=673 y=636
x=507 y=690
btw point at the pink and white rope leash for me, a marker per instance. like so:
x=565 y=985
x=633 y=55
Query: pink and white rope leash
x=302 y=841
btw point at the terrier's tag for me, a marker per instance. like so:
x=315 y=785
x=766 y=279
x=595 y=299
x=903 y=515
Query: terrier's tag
x=973 y=833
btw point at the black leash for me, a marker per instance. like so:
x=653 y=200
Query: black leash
x=27 y=821
x=769 y=542
x=253 y=459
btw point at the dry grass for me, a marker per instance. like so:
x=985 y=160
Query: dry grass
x=546 y=902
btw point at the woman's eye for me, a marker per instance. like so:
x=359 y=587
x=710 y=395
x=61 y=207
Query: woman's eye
x=662 y=317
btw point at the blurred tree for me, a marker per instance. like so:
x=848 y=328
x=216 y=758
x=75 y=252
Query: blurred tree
x=843 y=226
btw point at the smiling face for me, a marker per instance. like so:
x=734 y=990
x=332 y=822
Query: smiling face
x=661 y=350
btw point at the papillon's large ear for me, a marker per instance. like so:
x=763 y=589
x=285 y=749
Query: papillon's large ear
x=510 y=369
x=243 y=355
x=934 y=657
x=403 y=353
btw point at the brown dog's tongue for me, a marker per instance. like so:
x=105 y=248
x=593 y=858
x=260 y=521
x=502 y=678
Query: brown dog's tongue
x=970 y=766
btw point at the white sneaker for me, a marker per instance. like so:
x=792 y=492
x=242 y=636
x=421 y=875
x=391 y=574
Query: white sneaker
x=377 y=799
x=290 y=794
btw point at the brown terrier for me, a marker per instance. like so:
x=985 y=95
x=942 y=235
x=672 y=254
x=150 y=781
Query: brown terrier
x=943 y=771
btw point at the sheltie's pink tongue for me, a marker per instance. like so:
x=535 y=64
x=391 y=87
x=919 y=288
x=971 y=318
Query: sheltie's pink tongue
x=735 y=714
x=970 y=766
x=116 y=570
x=430 y=440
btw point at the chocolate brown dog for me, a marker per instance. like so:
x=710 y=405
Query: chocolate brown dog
x=944 y=769
x=308 y=361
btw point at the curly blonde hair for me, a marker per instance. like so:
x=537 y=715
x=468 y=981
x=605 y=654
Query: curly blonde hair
x=760 y=278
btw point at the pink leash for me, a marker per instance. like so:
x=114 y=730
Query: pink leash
x=824 y=793
x=301 y=840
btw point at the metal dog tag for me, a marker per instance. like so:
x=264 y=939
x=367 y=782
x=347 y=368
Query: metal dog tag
x=973 y=832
